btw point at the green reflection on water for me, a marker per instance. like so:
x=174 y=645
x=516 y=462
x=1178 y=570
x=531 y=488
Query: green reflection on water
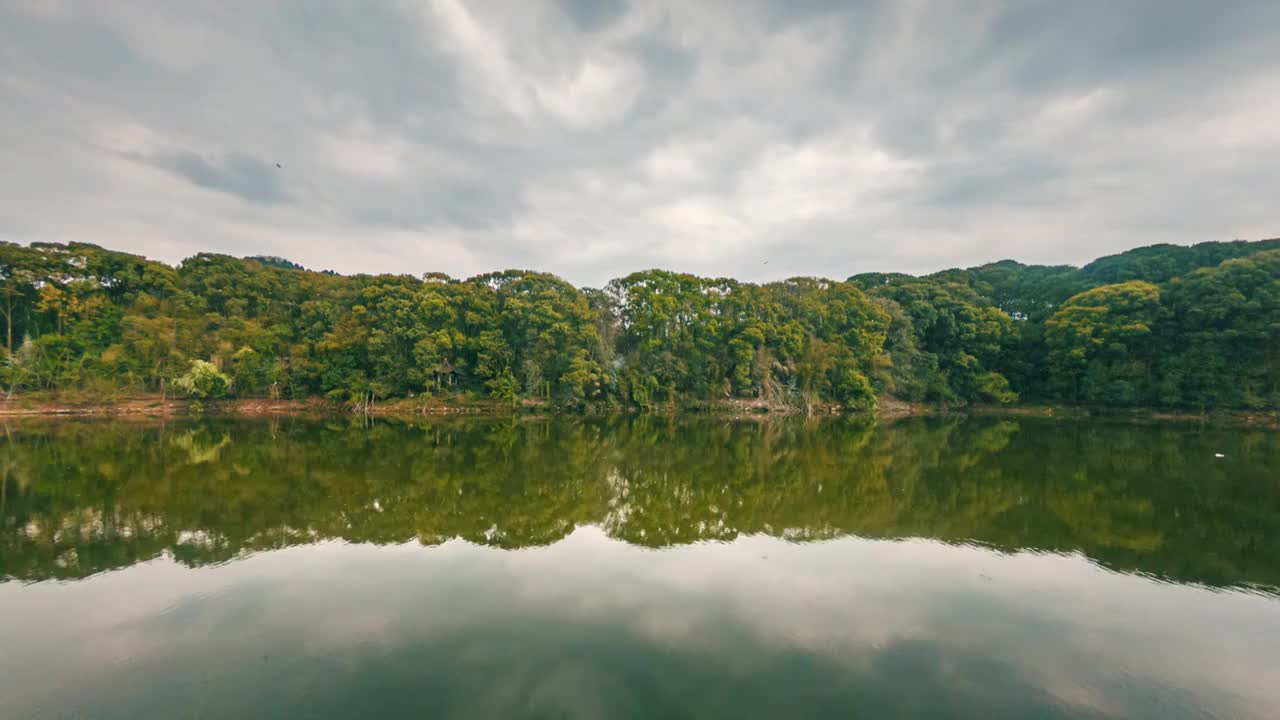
x=80 y=498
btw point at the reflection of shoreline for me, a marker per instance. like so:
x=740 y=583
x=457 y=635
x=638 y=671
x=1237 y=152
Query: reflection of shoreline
x=1137 y=415
x=1149 y=500
x=156 y=408
x=189 y=544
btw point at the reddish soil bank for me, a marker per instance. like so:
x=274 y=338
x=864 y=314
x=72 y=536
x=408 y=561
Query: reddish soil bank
x=155 y=405
x=149 y=406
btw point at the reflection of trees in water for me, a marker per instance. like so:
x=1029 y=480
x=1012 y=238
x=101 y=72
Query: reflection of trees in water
x=79 y=498
x=201 y=447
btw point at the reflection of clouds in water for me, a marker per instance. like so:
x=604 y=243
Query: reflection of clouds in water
x=577 y=627
x=1067 y=624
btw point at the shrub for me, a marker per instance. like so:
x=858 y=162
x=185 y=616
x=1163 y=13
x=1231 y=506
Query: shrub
x=204 y=380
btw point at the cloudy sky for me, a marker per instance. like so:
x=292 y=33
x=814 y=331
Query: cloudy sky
x=591 y=138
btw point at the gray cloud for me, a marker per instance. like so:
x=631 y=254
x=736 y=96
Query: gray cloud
x=593 y=139
x=238 y=174
x=593 y=14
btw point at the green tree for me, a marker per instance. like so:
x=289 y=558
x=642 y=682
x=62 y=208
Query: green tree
x=1100 y=342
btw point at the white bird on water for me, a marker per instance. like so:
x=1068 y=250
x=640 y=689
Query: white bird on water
x=1219 y=455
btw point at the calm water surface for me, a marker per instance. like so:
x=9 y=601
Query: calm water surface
x=977 y=568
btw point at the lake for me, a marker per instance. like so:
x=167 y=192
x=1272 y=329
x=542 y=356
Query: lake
x=639 y=567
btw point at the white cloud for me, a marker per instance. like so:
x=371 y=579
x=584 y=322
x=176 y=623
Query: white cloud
x=672 y=163
x=365 y=155
x=599 y=91
x=483 y=58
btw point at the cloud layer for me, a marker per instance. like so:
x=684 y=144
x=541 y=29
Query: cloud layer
x=591 y=139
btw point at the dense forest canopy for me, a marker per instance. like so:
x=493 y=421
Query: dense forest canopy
x=1171 y=326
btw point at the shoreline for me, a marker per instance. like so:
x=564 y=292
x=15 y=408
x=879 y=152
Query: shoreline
x=154 y=406
x=1257 y=419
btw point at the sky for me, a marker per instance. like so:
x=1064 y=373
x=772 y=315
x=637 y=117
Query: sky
x=593 y=138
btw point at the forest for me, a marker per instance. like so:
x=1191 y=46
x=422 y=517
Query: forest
x=1184 y=327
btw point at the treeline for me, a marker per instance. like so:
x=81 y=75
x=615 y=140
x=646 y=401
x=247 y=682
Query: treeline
x=1173 y=326
x=1162 y=326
